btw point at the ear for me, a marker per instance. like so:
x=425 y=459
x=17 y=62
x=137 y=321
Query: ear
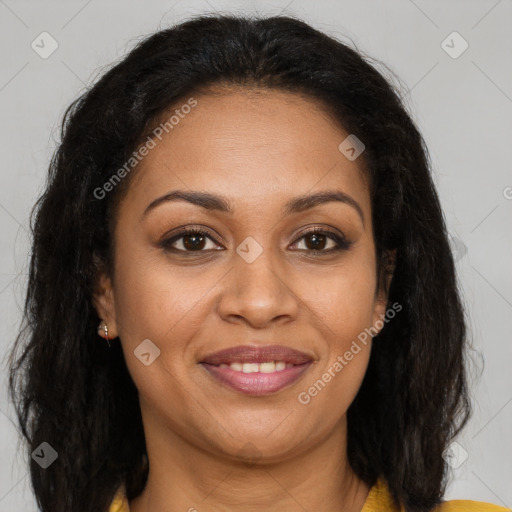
x=384 y=282
x=103 y=301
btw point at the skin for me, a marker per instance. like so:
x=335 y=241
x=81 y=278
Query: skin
x=258 y=149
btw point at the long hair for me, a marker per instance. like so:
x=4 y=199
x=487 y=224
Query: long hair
x=76 y=394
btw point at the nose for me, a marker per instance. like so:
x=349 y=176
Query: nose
x=259 y=294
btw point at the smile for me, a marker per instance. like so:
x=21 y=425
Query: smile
x=268 y=367
x=256 y=379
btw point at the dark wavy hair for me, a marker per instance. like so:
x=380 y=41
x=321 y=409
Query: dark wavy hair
x=75 y=393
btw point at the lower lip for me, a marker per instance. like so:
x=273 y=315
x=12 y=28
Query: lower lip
x=257 y=383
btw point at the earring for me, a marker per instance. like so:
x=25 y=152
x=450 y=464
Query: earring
x=104 y=328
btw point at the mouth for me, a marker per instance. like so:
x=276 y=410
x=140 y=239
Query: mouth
x=257 y=370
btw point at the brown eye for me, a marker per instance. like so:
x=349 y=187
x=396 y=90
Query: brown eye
x=191 y=240
x=194 y=242
x=317 y=240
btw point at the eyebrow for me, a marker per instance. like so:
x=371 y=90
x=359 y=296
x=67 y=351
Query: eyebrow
x=213 y=202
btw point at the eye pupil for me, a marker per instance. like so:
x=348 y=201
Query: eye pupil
x=317 y=239
x=197 y=243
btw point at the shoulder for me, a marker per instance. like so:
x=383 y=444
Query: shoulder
x=379 y=500
x=120 y=502
x=469 y=506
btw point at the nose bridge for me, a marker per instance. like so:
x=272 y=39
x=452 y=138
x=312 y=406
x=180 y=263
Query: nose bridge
x=257 y=270
x=257 y=289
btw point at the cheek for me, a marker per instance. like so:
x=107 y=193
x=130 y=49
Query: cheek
x=152 y=297
x=342 y=301
x=160 y=304
x=167 y=305
x=345 y=352
x=342 y=307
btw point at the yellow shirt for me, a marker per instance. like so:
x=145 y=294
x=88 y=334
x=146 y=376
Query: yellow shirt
x=378 y=500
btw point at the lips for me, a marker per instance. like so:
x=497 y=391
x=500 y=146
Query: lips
x=257 y=354
x=257 y=370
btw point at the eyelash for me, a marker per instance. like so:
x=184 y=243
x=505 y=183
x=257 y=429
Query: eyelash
x=342 y=244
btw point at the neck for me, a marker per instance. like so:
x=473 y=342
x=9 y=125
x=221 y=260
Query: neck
x=184 y=477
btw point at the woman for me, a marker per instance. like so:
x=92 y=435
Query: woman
x=243 y=210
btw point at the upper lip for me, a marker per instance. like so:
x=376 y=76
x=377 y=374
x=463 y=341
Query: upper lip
x=257 y=354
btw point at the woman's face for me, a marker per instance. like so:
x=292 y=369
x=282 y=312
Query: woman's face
x=253 y=280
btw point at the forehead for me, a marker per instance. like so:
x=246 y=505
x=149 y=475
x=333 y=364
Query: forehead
x=251 y=145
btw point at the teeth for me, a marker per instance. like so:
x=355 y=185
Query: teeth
x=250 y=367
x=267 y=367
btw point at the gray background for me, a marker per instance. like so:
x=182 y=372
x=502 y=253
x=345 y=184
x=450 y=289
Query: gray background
x=462 y=105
